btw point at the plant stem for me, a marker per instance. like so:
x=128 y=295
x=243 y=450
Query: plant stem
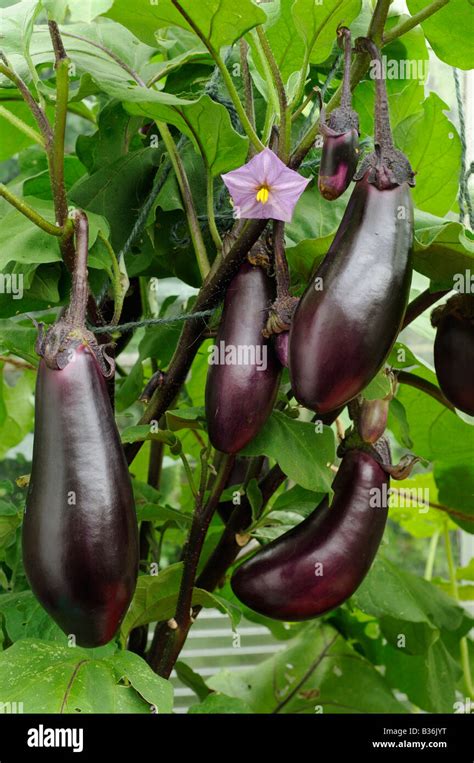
x=189 y=474
x=282 y=272
x=382 y=130
x=211 y=218
x=247 y=82
x=285 y=118
x=116 y=278
x=431 y=555
x=421 y=303
x=346 y=93
x=463 y=644
x=35 y=108
x=76 y=312
x=56 y=155
x=30 y=213
x=187 y=197
x=413 y=21
x=174 y=637
x=22 y=126
x=234 y=96
x=405 y=377
x=305 y=103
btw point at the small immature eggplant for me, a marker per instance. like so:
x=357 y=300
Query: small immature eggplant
x=350 y=314
x=319 y=564
x=454 y=350
x=242 y=381
x=340 y=151
x=80 y=540
x=373 y=419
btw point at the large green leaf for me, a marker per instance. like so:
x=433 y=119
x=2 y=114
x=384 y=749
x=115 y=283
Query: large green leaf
x=317 y=23
x=13 y=140
x=301 y=451
x=447 y=31
x=48 y=678
x=433 y=147
x=318 y=672
x=443 y=249
x=456 y=488
x=117 y=191
x=24 y=617
x=408 y=606
x=221 y=22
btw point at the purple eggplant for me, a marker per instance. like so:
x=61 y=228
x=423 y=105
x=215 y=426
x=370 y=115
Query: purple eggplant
x=320 y=563
x=242 y=381
x=340 y=151
x=80 y=539
x=350 y=314
x=281 y=347
x=454 y=350
x=372 y=420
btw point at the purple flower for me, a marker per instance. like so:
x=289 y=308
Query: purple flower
x=265 y=188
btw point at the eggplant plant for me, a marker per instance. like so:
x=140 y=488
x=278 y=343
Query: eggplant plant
x=216 y=275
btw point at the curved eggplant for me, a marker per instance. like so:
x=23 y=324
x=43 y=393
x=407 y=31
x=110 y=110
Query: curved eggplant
x=281 y=347
x=242 y=381
x=319 y=564
x=339 y=158
x=454 y=351
x=342 y=334
x=341 y=134
x=80 y=540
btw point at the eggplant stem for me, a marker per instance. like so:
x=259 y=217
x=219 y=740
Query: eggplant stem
x=76 y=313
x=383 y=131
x=344 y=35
x=281 y=264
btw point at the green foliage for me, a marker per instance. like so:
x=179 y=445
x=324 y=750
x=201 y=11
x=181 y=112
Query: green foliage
x=395 y=646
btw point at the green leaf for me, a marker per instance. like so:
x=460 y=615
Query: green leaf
x=116 y=191
x=428 y=679
x=455 y=484
x=13 y=140
x=156 y=596
x=154 y=689
x=301 y=452
x=446 y=31
x=78 y=9
x=378 y=388
x=433 y=147
x=409 y=506
x=204 y=121
x=317 y=672
x=317 y=23
x=255 y=498
x=396 y=596
x=221 y=22
x=40 y=185
x=24 y=617
x=18 y=400
x=48 y=678
x=192 y=680
x=443 y=249
x=130 y=388
x=217 y=703
x=185 y=418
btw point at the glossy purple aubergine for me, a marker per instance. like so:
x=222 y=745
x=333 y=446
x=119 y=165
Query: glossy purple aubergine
x=80 y=541
x=454 y=351
x=320 y=563
x=244 y=372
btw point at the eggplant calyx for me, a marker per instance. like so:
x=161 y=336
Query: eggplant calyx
x=403 y=469
x=341 y=120
x=280 y=315
x=59 y=344
x=259 y=255
x=386 y=168
x=460 y=306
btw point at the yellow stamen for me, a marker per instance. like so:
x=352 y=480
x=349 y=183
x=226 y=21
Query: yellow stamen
x=262 y=194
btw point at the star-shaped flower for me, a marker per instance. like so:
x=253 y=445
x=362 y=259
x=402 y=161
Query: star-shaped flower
x=265 y=188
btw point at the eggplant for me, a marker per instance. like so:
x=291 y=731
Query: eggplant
x=281 y=347
x=320 y=563
x=244 y=372
x=454 y=351
x=372 y=420
x=351 y=313
x=340 y=150
x=80 y=537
